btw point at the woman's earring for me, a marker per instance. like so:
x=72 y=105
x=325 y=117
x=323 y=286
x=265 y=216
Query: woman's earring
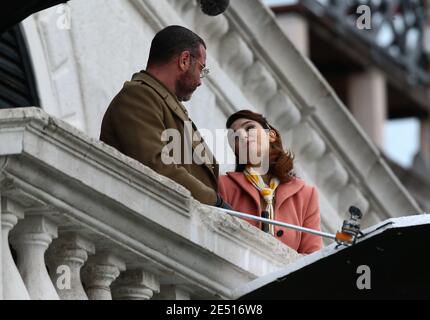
x=272 y=134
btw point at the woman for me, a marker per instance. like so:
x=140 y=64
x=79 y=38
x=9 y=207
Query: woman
x=269 y=187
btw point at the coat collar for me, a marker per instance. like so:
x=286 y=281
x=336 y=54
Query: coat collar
x=172 y=102
x=282 y=193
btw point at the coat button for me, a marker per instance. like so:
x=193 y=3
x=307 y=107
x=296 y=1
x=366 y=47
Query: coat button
x=280 y=233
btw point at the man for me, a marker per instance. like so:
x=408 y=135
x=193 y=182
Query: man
x=151 y=103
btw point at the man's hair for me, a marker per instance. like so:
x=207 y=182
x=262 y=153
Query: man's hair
x=171 y=41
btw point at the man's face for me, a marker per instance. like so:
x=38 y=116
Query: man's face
x=189 y=79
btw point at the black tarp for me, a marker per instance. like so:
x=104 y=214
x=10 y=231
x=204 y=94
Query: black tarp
x=15 y=11
x=396 y=253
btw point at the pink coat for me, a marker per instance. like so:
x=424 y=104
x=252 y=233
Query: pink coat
x=294 y=202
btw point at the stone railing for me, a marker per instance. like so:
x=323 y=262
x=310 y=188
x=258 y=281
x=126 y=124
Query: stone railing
x=80 y=220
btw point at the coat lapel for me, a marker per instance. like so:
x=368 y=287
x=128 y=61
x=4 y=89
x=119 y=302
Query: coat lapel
x=240 y=179
x=286 y=190
x=171 y=101
x=179 y=110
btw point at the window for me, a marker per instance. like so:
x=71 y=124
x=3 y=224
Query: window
x=17 y=84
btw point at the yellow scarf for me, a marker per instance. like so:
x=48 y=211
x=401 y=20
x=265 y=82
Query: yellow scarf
x=268 y=192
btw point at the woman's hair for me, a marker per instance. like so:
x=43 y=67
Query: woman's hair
x=281 y=162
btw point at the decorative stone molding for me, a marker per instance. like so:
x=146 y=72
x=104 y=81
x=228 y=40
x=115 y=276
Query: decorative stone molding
x=52 y=51
x=285 y=118
x=331 y=174
x=235 y=55
x=211 y=29
x=307 y=143
x=259 y=83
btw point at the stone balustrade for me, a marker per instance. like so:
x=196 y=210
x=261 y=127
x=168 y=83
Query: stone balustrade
x=82 y=221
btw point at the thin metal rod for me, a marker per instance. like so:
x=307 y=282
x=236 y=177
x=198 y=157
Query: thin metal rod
x=278 y=223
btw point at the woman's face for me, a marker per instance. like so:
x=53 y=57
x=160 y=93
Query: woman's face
x=251 y=140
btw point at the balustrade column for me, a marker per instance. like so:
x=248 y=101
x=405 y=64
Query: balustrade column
x=172 y=292
x=99 y=273
x=12 y=283
x=135 y=285
x=30 y=238
x=65 y=258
